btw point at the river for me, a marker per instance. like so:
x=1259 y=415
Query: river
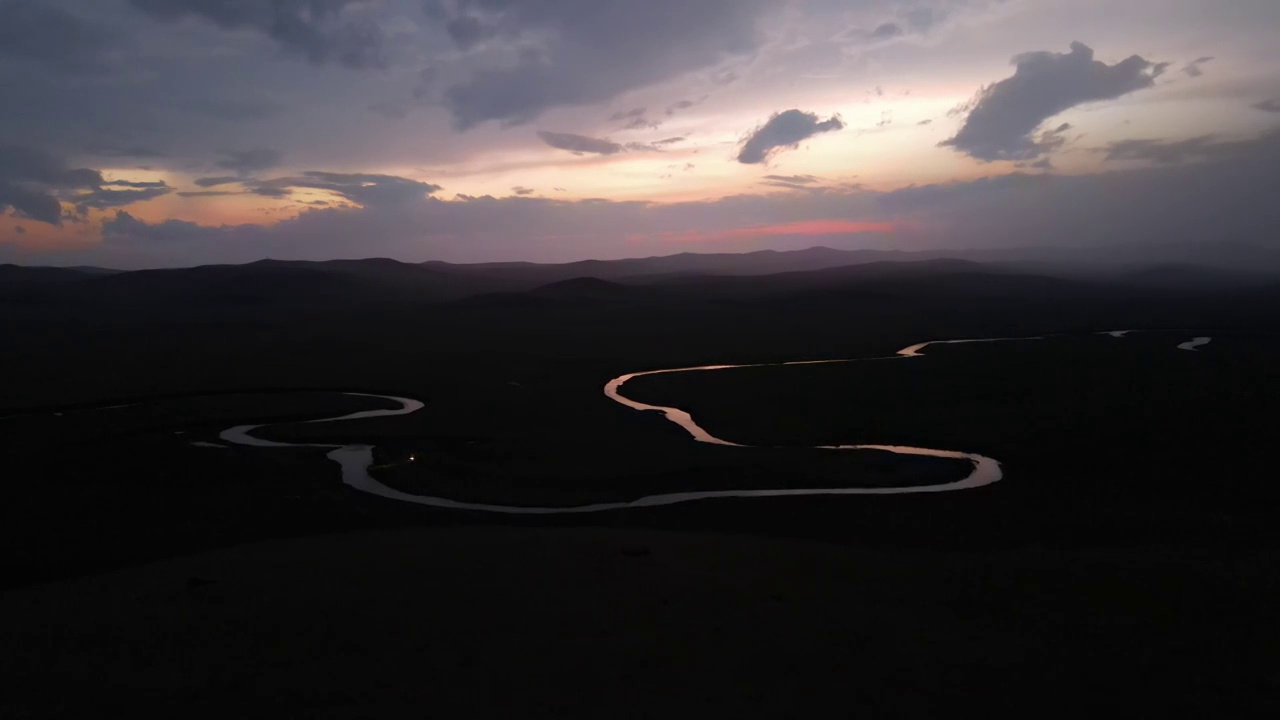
x=356 y=460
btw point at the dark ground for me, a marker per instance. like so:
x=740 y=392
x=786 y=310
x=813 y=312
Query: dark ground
x=1127 y=558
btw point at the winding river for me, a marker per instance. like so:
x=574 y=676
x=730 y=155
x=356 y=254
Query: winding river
x=356 y=460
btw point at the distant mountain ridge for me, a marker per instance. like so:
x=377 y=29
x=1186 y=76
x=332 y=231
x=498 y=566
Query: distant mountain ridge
x=759 y=274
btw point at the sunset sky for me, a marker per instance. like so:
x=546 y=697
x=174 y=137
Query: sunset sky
x=141 y=133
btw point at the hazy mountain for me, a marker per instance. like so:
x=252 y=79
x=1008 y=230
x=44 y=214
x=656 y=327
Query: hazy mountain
x=686 y=276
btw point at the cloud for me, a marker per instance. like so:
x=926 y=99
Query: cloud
x=916 y=21
x=1192 y=69
x=209 y=193
x=642 y=124
x=795 y=182
x=31 y=203
x=1270 y=106
x=724 y=77
x=667 y=141
x=136 y=184
x=323 y=31
x=113 y=150
x=41 y=32
x=926 y=122
x=1224 y=198
x=658 y=146
x=252 y=160
x=20 y=230
x=368 y=190
x=205 y=182
x=579 y=143
x=520 y=190
x=468 y=31
x=887 y=31
x=31 y=182
x=102 y=198
x=126 y=228
x=1168 y=152
x=1002 y=118
x=798 y=179
x=679 y=105
x=627 y=114
x=784 y=130
x=232 y=110
x=268 y=189
x=580 y=52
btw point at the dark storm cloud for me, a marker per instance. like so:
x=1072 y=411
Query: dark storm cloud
x=587 y=51
x=1192 y=69
x=104 y=198
x=1172 y=152
x=30 y=203
x=252 y=160
x=205 y=182
x=31 y=181
x=784 y=130
x=1270 y=106
x=321 y=30
x=366 y=189
x=44 y=33
x=21 y=164
x=1003 y=118
x=579 y=143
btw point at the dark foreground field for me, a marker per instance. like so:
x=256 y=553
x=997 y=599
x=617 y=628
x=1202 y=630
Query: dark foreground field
x=594 y=623
x=1127 y=560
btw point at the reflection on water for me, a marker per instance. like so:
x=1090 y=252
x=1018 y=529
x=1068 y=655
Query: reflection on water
x=356 y=460
x=1195 y=343
x=985 y=470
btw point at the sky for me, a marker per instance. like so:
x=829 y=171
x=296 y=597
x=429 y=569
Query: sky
x=163 y=133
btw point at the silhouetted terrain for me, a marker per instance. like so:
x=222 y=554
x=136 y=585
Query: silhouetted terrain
x=1137 y=499
x=348 y=281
